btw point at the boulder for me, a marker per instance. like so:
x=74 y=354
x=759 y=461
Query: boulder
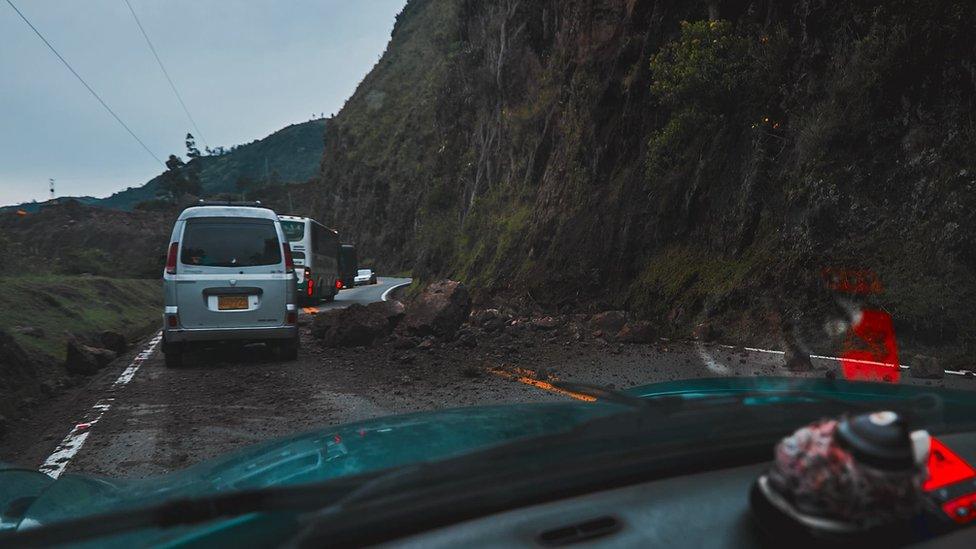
x=638 y=331
x=402 y=343
x=706 y=331
x=439 y=310
x=114 y=341
x=490 y=320
x=354 y=326
x=18 y=375
x=32 y=331
x=392 y=311
x=468 y=339
x=86 y=360
x=926 y=367
x=546 y=323
x=608 y=322
x=797 y=360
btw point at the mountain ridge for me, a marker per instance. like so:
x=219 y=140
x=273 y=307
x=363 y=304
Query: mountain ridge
x=291 y=154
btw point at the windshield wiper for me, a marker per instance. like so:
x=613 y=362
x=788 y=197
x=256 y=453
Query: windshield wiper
x=187 y=511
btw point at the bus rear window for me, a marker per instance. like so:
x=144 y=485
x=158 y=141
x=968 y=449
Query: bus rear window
x=294 y=230
x=230 y=243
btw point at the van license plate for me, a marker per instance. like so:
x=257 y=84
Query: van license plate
x=231 y=302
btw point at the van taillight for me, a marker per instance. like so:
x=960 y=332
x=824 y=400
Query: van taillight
x=310 y=288
x=291 y=317
x=171 y=258
x=289 y=262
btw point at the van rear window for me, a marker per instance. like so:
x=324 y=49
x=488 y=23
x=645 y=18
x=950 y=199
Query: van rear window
x=219 y=242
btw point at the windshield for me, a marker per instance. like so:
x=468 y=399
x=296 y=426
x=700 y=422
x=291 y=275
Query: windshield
x=748 y=205
x=230 y=243
x=294 y=230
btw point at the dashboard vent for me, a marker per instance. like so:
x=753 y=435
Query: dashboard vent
x=565 y=535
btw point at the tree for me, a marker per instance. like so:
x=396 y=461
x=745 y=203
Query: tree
x=274 y=178
x=179 y=180
x=243 y=185
x=191 y=147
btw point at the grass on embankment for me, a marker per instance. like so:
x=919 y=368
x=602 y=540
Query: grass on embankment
x=80 y=305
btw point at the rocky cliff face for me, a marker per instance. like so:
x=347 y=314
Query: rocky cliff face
x=686 y=160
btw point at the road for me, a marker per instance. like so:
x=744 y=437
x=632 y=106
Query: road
x=161 y=420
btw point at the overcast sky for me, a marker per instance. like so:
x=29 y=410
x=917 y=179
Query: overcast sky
x=245 y=68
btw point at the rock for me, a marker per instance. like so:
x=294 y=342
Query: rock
x=354 y=326
x=114 y=341
x=468 y=339
x=18 y=378
x=490 y=320
x=392 y=311
x=86 y=360
x=403 y=343
x=706 y=331
x=638 y=331
x=32 y=331
x=427 y=344
x=797 y=360
x=608 y=322
x=926 y=367
x=439 y=310
x=545 y=323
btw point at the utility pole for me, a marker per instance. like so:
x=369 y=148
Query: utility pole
x=51 y=187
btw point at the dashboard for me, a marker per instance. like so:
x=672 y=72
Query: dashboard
x=709 y=509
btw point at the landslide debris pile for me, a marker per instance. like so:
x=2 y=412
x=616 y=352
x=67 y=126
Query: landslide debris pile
x=442 y=314
x=690 y=162
x=437 y=312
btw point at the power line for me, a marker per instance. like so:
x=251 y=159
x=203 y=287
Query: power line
x=82 y=80
x=166 y=73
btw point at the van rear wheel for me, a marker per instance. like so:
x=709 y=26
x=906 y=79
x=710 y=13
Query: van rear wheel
x=288 y=349
x=173 y=355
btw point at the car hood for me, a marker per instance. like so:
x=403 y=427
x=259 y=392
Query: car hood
x=381 y=443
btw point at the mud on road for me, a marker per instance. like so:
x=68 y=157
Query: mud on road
x=227 y=398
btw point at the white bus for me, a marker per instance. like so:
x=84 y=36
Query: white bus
x=315 y=249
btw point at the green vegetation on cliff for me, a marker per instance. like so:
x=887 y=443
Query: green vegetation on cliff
x=690 y=161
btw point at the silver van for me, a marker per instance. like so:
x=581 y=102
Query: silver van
x=229 y=276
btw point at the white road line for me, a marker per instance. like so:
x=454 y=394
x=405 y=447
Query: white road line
x=386 y=294
x=824 y=357
x=58 y=461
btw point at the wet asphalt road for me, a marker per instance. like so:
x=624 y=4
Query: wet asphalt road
x=223 y=399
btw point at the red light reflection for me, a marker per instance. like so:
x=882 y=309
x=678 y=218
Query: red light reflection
x=877 y=362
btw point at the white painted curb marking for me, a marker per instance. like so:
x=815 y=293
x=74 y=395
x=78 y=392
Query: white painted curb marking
x=57 y=462
x=824 y=357
x=386 y=294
